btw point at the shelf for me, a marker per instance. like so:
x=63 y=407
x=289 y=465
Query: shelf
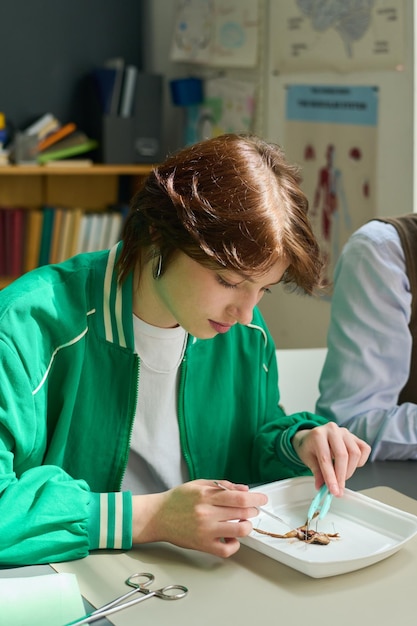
x=69 y=170
x=4 y=281
x=91 y=187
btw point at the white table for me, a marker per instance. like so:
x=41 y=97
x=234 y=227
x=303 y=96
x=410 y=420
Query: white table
x=250 y=587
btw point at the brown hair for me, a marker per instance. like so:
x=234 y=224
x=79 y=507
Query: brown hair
x=232 y=201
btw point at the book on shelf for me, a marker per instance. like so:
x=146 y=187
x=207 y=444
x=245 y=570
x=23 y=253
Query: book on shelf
x=53 y=142
x=74 y=139
x=104 y=231
x=12 y=233
x=103 y=79
x=77 y=214
x=92 y=242
x=48 y=214
x=43 y=125
x=5 y=245
x=2 y=244
x=98 y=231
x=108 y=84
x=66 y=148
x=84 y=232
x=117 y=65
x=68 y=163
x=13 y=238
x=56 y=235
x=61 y=233
x=48 y=128
x=127 y=97
x=65 y=235
x=116 y=223
x=18 y=231
x=32 y=239
x=55 y=136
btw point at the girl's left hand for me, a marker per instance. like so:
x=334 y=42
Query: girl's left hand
x=332 y=453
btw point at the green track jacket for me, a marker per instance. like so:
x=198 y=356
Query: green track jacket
x=68 y=392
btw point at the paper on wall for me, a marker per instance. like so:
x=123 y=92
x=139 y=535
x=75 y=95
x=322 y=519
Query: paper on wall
x=216 y=33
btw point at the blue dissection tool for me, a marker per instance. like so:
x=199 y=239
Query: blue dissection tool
x=320 y=504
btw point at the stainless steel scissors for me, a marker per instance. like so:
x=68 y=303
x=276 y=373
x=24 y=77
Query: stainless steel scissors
x=140 y=583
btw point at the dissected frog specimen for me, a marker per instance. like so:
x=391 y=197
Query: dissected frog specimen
x=303 y=533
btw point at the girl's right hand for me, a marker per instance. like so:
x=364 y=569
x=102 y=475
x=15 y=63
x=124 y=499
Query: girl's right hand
x=197 y=515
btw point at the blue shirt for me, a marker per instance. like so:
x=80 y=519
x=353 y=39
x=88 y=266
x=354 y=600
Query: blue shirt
x=369 y=344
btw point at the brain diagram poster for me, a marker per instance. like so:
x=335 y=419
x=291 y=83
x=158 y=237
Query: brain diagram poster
x=331 y=132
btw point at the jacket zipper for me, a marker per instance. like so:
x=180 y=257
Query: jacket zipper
x=132 y=413
x=181 y=420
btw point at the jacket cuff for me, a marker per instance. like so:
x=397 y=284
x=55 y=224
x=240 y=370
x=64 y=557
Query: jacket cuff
x=284 y=447
x=110 y=521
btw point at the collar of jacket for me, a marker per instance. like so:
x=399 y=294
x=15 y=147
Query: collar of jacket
x=114 y=302
x=114 y=305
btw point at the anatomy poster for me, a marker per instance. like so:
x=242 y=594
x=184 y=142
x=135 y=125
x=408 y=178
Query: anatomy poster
x=331 y=132
x=338 y=35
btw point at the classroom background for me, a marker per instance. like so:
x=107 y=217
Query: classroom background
x=260 y=64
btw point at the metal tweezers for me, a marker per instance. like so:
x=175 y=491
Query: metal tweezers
x=320 y=505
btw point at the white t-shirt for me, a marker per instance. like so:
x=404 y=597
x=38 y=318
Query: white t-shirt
x=155 y=461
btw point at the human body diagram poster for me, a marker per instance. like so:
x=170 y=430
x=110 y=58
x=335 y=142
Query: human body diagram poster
x=337 y=35
x=331 y=132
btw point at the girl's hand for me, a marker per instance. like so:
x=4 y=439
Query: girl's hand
x=197 y=515
x=332 y=453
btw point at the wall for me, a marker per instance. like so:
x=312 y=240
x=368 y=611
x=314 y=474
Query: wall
x=299 y=321
x=159 y=17
x=296 y=321
x=158 y=24
x=49 y=47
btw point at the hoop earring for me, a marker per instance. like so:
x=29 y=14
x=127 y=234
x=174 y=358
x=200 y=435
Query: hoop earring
x=157 y=268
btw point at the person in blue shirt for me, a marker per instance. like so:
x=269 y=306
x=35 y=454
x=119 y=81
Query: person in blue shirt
x=369 y=379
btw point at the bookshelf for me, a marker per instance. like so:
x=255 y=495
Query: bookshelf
x=93 y=187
